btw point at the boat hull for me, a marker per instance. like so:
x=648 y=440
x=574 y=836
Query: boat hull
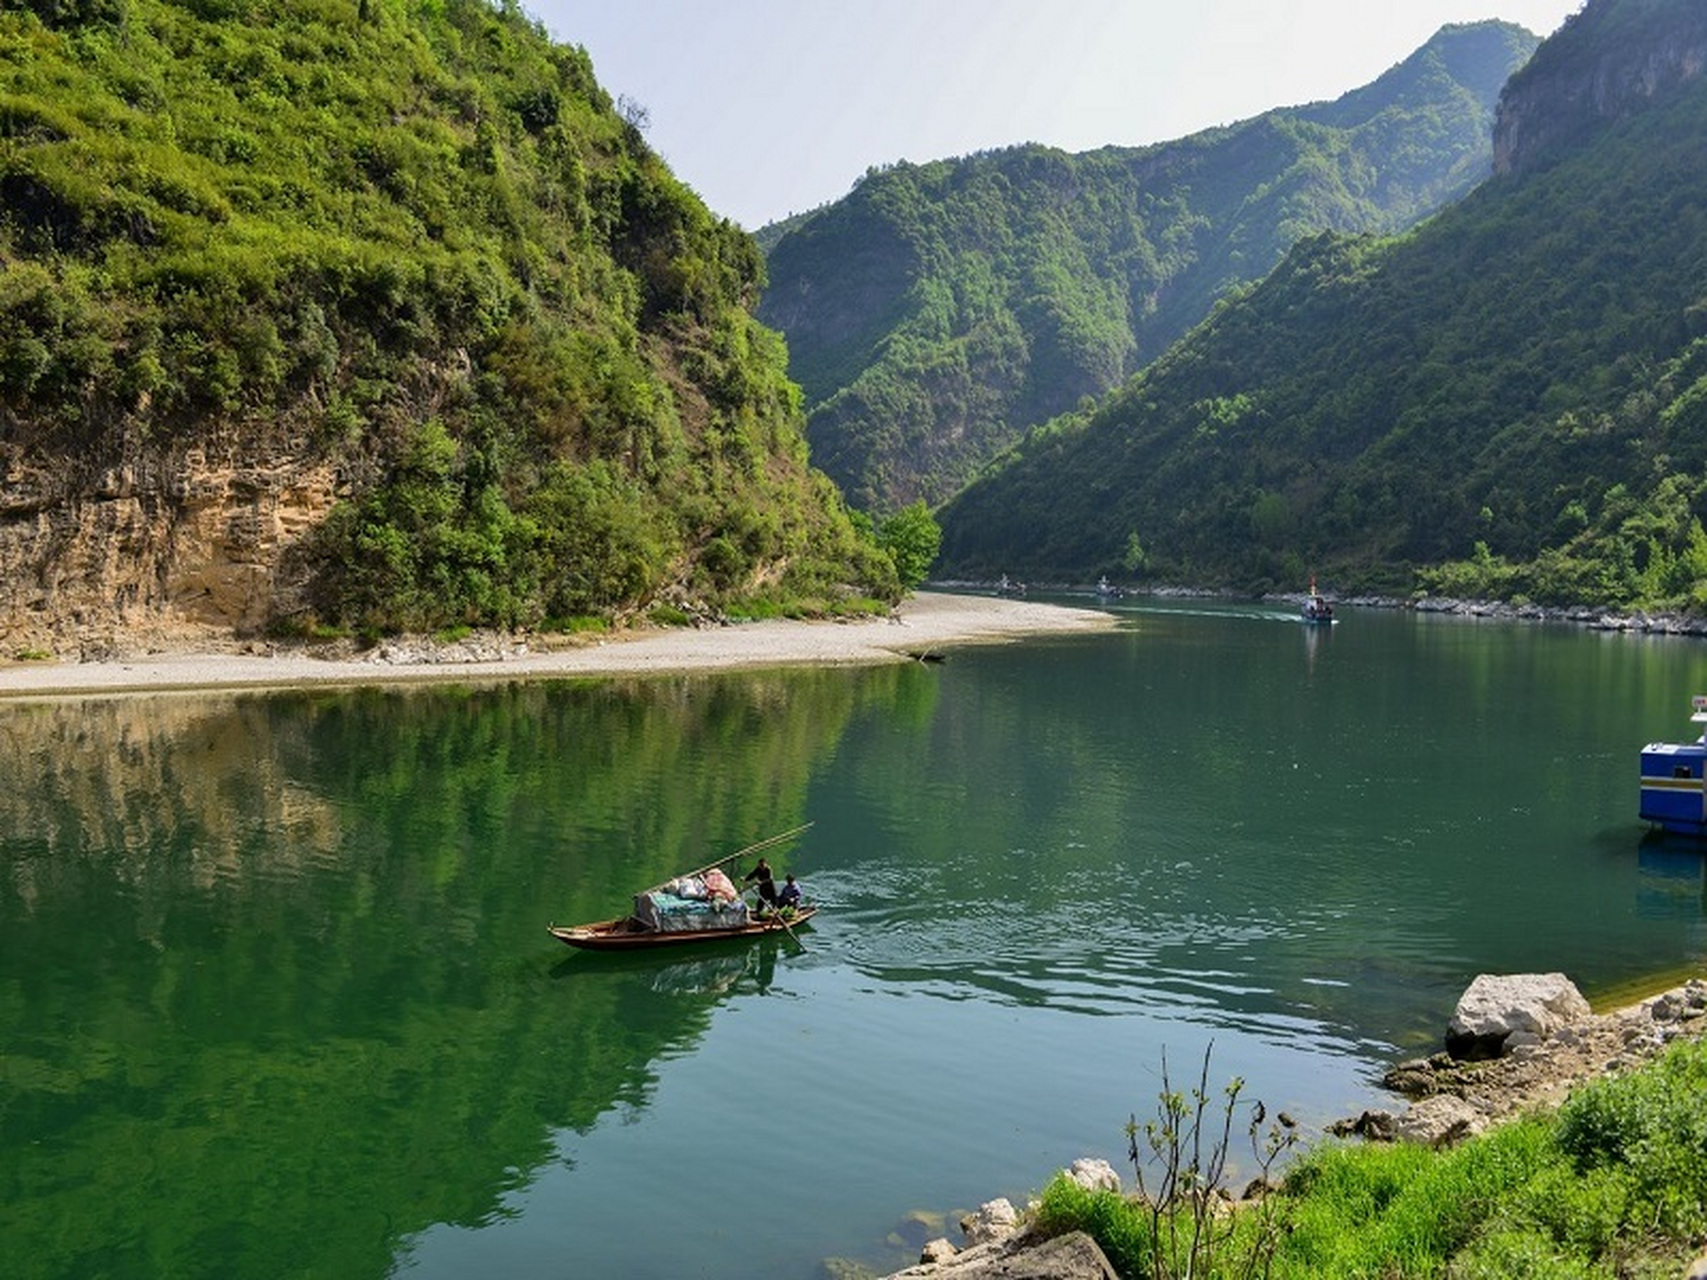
x=1674 y=786
x=627 y=934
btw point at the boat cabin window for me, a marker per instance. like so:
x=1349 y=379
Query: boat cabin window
x=1681 y=771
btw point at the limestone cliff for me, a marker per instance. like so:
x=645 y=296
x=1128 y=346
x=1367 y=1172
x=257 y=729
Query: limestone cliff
x=152 y=544
x=1612 y=58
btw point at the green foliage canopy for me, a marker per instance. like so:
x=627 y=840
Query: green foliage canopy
x=911 y=537
x=415 y=240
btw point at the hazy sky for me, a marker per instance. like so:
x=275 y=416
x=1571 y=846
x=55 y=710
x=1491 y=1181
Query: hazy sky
x=772 y=107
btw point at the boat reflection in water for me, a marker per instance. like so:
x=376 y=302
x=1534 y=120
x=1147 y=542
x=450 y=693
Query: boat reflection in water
x=1671 y=879
x=731 y=969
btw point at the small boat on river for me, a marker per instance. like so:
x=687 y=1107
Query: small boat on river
x=629 y=933
x=1317 y=609
x=1674 y=793
x=699 y=906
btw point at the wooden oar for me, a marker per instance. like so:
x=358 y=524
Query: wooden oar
x=776 y=912
x=739 y=853
x=793 y=937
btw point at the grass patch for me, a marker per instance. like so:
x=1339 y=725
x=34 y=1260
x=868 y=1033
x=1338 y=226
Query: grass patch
x=667 y=615
x=862 y=607
x=577 y=625
x=761 y=610
x=311 y=632
x=32 y=655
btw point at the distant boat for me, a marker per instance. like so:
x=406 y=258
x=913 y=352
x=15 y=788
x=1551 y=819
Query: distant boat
x=1106 y=589
x=1673 y=792
x=698 y=906
x=1008 y=587
x=1316 y=607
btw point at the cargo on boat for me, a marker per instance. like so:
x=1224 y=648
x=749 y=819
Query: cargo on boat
x=699 y=906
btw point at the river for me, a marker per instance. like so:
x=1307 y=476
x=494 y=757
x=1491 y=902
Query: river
x=276 y=996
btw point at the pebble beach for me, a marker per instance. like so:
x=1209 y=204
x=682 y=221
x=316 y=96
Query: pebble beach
x=926 y=624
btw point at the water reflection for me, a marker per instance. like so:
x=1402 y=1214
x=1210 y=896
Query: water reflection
x=259 y=952
x=1671 y=884
x=746 y=967
x=1314 y=639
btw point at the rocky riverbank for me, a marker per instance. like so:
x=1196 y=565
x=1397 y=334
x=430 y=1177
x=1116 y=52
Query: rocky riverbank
x=1523 y=1042
x=1541 y=1059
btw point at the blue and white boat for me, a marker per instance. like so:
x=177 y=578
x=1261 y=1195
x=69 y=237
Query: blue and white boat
x=1673 y=790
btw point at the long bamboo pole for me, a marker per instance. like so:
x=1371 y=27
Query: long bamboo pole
x=739 y=853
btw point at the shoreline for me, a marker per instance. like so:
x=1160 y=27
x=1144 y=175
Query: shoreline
x=924 y=623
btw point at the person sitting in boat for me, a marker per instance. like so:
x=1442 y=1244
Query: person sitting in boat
x=766 y=882
x=788 y=897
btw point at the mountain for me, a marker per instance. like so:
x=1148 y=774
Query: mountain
x=939 y=309
x=1512 y=398
x=373 y=314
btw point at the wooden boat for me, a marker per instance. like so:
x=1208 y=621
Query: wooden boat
x=630 y=934
x=660 y=919
x=1674 y=780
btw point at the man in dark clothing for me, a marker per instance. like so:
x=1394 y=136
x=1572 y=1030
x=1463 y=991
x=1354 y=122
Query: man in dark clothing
x=766 y=883
x=790 y=894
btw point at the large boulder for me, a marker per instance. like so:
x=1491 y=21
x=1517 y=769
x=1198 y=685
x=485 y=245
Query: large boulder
x=1501 y=1011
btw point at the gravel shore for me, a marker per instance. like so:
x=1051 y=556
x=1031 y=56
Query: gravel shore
x=926 y=623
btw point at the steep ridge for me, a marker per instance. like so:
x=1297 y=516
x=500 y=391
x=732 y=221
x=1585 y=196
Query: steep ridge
x=939 y=309
x=1605 y=62
x=1511 y=396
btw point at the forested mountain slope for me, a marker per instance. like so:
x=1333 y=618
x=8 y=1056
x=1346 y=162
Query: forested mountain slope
x=939 y=309
x=1516 y=391
x=376 y=314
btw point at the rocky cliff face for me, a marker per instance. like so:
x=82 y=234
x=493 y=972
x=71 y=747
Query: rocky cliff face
x=152 y=544
x=1609 y=60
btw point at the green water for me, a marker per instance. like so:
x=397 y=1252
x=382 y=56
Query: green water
x=276 y=997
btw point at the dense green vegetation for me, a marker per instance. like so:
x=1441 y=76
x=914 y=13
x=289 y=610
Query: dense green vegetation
x=1613 y=1184
x=1510 y=399
x=416 y=240
x=941 y=308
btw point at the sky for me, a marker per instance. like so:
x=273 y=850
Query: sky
x=772 y=107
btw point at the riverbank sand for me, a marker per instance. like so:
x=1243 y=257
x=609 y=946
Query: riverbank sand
x=925 y=624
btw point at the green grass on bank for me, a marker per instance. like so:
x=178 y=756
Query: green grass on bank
x=1612 y=1184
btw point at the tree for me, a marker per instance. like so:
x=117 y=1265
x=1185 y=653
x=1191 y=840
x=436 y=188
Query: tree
x=912 y=538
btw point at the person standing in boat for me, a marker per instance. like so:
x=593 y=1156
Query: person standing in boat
x=766 y=882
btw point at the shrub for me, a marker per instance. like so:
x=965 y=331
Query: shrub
x=1648 y=1127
